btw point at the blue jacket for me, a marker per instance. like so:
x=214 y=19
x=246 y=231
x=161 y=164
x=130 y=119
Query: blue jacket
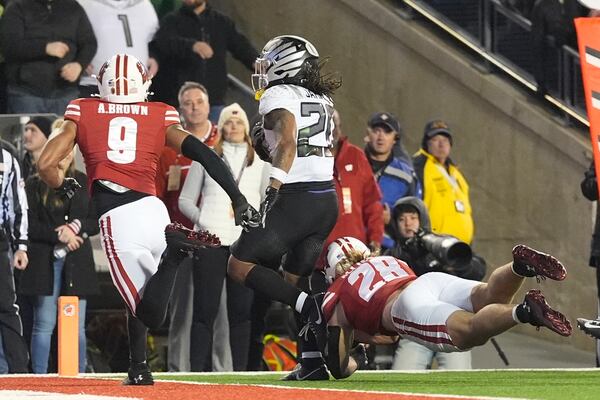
x=396 y=180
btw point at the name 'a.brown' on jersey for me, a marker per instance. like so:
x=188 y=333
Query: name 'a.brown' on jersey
x=121 y=143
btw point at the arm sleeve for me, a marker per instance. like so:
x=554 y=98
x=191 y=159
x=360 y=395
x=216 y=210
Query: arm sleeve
x=19 y=217
x=188 y=198
x=193 y=148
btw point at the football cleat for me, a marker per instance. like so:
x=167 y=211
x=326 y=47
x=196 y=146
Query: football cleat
x=589 y=326
x=138 y=375
x=541 y=314
x=182 y=238
x=299 y=373
x=538 y=264
x=315 y=323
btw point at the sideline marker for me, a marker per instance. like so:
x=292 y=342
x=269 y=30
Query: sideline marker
x=68 y=332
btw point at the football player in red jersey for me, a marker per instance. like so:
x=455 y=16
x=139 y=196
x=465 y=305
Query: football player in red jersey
x=121 y=137
x=375 y=297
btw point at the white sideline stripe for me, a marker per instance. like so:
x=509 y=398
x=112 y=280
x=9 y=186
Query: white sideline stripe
x=35 y=395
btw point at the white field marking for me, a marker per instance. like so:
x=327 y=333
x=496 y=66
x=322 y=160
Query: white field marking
x=35 y=395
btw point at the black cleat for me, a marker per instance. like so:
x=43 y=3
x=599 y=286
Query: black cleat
x=538 y=264
x=299 y=373
x=315 y=323
x=184 y=239
x=138 y=375
x=541 y=314
x=589 y=326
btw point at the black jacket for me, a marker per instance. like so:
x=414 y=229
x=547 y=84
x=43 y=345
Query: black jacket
x=79 y=275
x=589 y=188
x=178 y=32
x=27 y=26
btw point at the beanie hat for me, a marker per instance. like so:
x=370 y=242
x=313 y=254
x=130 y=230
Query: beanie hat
x=433 y=128
x=44 y=124
x=233 y=111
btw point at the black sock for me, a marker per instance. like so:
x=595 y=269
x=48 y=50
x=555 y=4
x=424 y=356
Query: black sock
x=152 y=309
x=270 y=284
x=136 y=331
x=523 y=270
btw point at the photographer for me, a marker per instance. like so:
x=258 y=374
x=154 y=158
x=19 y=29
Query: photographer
x=426 y=252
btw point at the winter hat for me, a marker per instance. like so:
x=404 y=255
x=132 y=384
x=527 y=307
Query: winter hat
x=44 y=124
x=433 y=128
x=233 y=111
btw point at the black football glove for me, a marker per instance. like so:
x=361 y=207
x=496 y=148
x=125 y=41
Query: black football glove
x=246 y=215
x=271 y=195
x=257 y=135
x=68 y=188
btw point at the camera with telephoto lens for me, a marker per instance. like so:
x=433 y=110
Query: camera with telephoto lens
x=447 y=249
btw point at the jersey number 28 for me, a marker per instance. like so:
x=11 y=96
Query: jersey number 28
x=323 y=127
x=375 y=273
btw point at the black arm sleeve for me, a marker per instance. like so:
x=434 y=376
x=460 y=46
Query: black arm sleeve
x=194 y=149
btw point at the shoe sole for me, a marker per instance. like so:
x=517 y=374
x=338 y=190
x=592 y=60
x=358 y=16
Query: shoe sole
x=551 y=319
x=186 y=243
x=543 y=264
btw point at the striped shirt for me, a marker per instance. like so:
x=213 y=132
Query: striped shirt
x=13 y=201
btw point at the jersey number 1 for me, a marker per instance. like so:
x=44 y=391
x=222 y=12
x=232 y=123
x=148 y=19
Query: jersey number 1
x=122 y=139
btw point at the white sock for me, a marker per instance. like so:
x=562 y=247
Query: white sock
x=514 y=315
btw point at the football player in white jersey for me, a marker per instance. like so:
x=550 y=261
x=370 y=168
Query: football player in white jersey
x=300 y=205
x=374 y=298
x=120 y=26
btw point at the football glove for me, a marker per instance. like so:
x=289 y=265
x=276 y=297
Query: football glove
x=245 y=215
x=257 y=135
x=271 y=195
x=68 y=188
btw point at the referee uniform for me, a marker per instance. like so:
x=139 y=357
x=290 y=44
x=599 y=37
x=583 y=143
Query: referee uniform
x=13 y=236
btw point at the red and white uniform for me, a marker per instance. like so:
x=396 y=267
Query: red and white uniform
x=121 y=143
x=422 y=309
x=365 y=288
x=419 y=313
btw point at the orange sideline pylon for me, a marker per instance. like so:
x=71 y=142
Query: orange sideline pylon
x=68 y=332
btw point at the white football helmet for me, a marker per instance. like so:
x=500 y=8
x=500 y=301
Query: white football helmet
x=339 y=251
x=284 y=59
x=123 y=79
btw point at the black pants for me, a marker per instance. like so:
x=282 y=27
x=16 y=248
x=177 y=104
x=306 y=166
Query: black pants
x=15 y=349
x=210 y=268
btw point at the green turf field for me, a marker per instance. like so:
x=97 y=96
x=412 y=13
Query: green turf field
x=527 y=384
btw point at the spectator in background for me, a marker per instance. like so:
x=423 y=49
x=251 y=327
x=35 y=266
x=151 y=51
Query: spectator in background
x=61 y=259
x=411 y=220
x=589 y=188
x=360 y=212
x=552 y=26
x=47 y=44
x=395 y=175
x=214 y=214
x=13 y=254
x=193 y=43
x=120 y=26
x=170 y=177
x=35 y=137
x=445 y=190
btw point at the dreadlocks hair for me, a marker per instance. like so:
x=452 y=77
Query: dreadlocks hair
x=322 y=84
